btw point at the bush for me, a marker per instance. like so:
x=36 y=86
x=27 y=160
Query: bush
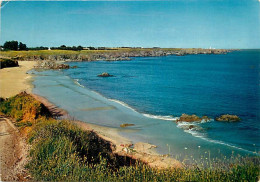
x=5 y=62
x=24 y=107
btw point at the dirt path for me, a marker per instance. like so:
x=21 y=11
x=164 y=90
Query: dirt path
x=13 y=151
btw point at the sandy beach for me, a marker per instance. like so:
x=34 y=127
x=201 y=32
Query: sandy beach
x=15 y=80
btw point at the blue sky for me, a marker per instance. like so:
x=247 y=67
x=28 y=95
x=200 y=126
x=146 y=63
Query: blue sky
x=176 y=23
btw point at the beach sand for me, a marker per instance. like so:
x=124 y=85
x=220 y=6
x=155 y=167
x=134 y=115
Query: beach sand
x=15 y=80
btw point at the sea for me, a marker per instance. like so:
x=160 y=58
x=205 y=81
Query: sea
x=153 y=92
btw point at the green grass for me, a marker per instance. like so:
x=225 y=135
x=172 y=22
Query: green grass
x=61 y=151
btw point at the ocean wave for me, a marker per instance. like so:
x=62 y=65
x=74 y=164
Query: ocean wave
x=192 y=128
x=123 y=104
x=229 y=145
x=166 y=118
x=77 y=82
x=197 y=131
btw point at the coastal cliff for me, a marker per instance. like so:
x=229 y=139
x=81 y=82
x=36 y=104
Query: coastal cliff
x=106 y=55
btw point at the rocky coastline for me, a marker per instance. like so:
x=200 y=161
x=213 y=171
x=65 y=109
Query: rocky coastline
x=114 y=55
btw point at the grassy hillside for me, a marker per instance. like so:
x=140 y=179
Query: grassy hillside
x=62 y=151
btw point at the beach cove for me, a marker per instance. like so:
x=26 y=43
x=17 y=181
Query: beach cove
x=130 y=134
x=86 y=105
x=15 y=80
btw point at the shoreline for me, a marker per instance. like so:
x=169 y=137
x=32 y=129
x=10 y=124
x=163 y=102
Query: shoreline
x=121 y=146
x=21 y=81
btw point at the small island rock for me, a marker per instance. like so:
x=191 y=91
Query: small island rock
x=228 y=117
x=105 y=75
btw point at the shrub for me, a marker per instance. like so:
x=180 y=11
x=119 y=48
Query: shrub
x=23 y=107
x=6 y=62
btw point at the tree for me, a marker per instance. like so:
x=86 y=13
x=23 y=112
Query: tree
x=11 y=45
x=22 y=46
x=63 y=47
x=79 y=48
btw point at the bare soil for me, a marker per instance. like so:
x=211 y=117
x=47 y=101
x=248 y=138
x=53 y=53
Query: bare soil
x=13 y=152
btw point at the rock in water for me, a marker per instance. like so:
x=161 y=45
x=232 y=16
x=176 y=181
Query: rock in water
x=205 y=118
x=125 y=125
x=228 y=117
x=192 y=118
x=189 y=118
x=105 y=75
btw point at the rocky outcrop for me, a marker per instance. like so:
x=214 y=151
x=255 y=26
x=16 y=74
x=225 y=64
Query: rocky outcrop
x=192 y=118
x=105 y=75
x=189 y=118
x=51 y=65
x=228 y=117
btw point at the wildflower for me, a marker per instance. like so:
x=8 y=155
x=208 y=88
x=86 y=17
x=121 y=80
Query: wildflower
x=185 y=148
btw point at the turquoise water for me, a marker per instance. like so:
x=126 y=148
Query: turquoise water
x=152 y=91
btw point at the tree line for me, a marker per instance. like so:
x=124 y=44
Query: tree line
x=19 y=46
x=14 y=45
x=63 y=47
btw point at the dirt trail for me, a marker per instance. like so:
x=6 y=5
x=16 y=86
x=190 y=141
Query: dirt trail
x=13 y=151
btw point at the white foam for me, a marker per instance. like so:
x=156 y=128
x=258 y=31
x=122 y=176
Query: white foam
x=203 y=136
x=77 y=82
x=166 y=118
x=123 y=104
x=180 y=124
